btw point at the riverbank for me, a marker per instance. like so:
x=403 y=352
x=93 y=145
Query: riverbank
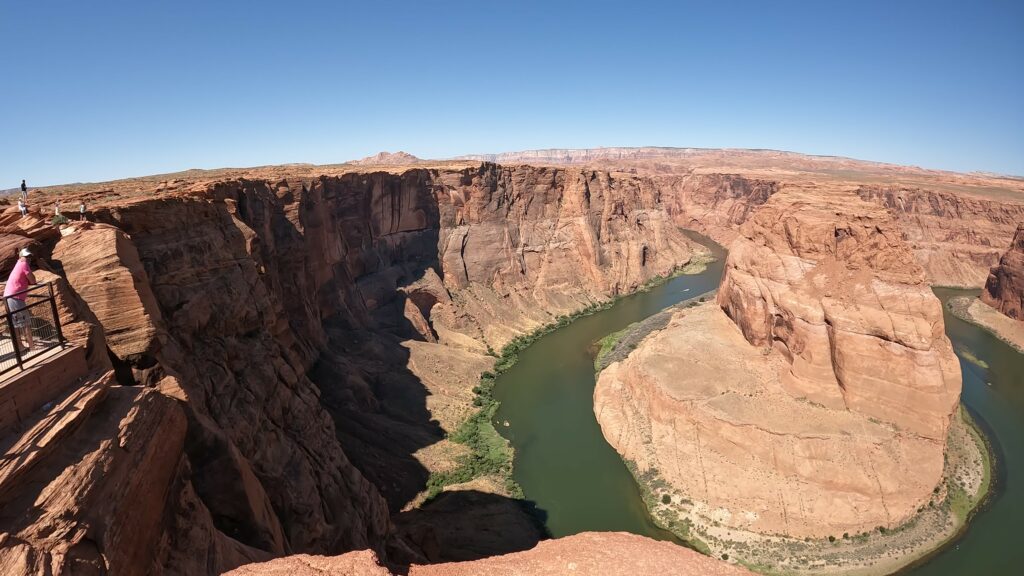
x=617 y=345
x=966 y=480
x=973 y=310
x=487 y=460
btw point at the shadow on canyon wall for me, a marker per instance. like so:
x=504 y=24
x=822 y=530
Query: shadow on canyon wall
x=380 y=414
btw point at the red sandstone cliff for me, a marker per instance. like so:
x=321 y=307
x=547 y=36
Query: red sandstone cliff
x=1004 y=288
x=956 y=224
x=288 y=353
x=829 y=284
x=956 y=238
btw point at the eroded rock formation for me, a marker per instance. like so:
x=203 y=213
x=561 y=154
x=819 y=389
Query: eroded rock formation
x=955 y=238
x=1004 y=288
x=830 y=285
x=815 y=399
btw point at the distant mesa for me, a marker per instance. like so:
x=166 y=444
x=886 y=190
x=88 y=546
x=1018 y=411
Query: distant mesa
x=387 y=159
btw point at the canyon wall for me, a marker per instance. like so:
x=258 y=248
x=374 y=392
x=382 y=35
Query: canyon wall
x=956 y=238
x=286 y=354
x=814 y=399
x=715 y=204
x=1004 y=288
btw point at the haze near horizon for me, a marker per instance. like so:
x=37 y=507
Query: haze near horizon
x=99 y=91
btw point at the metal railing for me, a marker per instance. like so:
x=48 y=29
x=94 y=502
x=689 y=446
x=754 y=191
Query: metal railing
x=30 y=326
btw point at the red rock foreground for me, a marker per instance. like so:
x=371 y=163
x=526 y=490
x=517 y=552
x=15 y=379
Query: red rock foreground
x=587 y=554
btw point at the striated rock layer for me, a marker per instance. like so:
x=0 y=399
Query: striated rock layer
x=289 y=353
x=816 y=399
x=957 y=225
x=1004 y=288
x=955 y=238
x=586 y=554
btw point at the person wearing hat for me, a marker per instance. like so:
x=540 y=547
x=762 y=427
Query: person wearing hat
x=14 y=293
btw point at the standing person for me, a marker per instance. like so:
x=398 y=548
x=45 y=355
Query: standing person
x=81 y=211
x=22 y=208
x=56 y=208
x=14 y=293
x=24 y=190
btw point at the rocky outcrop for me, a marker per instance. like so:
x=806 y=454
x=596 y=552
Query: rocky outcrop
x=1004 y=288
x=829 y=284
x=587 y=554
x=815 y=399
x=287 y=334
x=103 y=266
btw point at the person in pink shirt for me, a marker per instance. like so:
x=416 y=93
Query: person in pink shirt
x=14 y=293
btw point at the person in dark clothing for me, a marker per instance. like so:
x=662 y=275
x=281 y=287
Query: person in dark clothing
x=24 y=191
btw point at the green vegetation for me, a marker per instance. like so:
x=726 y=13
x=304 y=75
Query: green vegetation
x=608 y=344
x=651 y=483
x=960 y=503
x=489 y=453
x=59 y=219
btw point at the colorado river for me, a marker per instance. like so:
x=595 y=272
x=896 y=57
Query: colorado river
x=564 y=464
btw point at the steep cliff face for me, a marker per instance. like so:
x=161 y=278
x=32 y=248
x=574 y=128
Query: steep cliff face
x=715 y=204
x=1004 y=288
x=956 y=238
x=814 y=400
x=303 y=343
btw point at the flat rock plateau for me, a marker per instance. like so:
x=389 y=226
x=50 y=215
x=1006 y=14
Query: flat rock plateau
x=278 y=355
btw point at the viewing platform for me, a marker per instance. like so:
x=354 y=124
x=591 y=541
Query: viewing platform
x=32 y=377
x=45 y=377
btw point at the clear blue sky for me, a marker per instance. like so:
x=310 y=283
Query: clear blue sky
x=96 y=90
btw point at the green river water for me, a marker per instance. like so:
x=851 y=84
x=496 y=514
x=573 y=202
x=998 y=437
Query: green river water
x=565 y=466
